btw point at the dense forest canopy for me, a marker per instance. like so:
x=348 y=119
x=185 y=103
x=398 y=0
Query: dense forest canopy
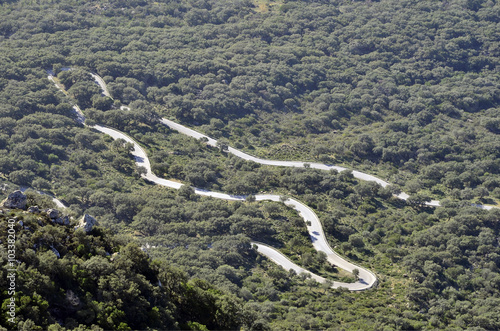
x=405 y=90
x=387 y=85
x=73 y=278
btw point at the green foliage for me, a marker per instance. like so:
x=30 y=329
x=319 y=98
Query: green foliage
x=92 y=286
x=405 y=90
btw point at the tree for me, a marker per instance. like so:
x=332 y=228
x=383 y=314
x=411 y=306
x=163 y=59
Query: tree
x=102 y=102
x=418 y=200
x=355 y=272
x=367 y=189
x=326 y=285
x=321 y=257
x=222 y=145
x=84 y=92
x=142 y=171
x=357 y=241
x=21 y=177
x=284 y=198
x=363 y=146
x=41 y=184
x=307 y=259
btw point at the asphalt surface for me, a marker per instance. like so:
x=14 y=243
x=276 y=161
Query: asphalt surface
x=298 y=164
x=58 y=202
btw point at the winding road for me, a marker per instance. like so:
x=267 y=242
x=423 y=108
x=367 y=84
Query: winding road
x=300 y=164
x=366 y=279
x=56 y=201
x=212 y=142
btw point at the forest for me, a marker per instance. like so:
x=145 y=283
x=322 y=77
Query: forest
x=404 y=90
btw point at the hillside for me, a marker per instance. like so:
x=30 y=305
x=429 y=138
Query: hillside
x=73 y=279
x=385 y=85
x=402 y=90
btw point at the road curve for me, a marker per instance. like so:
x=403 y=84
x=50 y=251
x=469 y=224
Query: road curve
x=102 y=84
x=298 y=164
x=57 y=202
x=315 y=230
x=366 y=278
x=210 y=141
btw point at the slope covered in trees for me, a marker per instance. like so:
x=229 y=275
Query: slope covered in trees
x=404 y=90
x=74 y=279
x=389 y=84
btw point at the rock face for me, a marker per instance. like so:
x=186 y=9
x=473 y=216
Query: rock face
x=87 y=222
x=72 y=298
x=56 y=252
x=34 y=209
x=52 y=213
x=62 y=220
x=15 y=200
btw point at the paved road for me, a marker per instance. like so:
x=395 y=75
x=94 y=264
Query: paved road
x=102 y=84
x=298 y=164
x=54 y=199
x=366 y=278
x=190 y=132
x=79 y=114
x=212 y=142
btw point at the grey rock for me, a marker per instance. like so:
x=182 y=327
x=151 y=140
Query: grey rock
x=73 y=299
x=34 y=209
x=16 y=199
x=52 y=213
x=62 y=220
x=56 y=252
x=87 y=222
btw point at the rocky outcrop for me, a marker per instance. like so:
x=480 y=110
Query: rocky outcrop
x=56 y=252
x=62 y=220
x=34 y=209
x=52 y=213
x=72 y=298
x=87 y=222
x=15 y=200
